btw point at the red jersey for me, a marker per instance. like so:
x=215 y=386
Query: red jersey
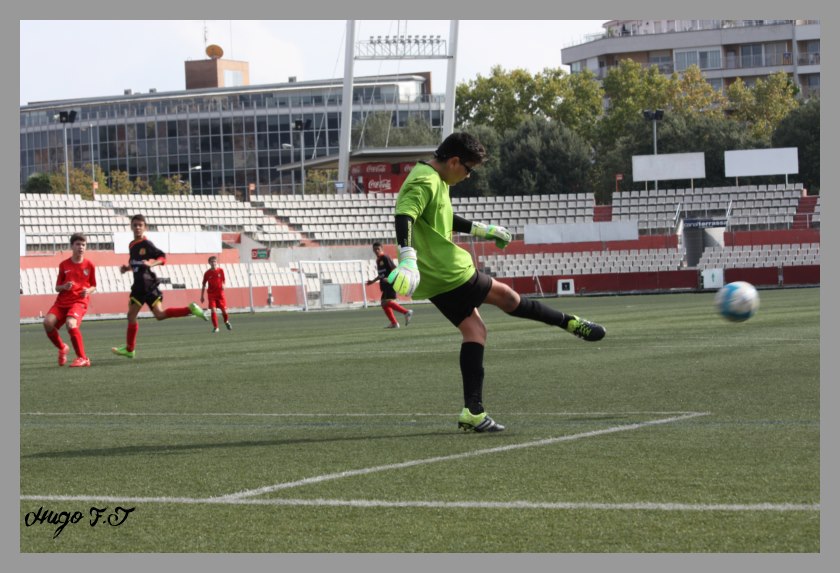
x=83 y=276
x=215 y=281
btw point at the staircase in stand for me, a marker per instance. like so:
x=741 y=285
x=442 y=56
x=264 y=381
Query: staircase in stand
x=602 y=213
x=804 y=212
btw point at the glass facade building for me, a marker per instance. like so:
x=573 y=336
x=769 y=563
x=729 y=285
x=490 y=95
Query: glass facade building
x=222 y=140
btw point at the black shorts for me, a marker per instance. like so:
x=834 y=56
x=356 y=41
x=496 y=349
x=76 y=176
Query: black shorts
x=459 y=303
x=144 y=296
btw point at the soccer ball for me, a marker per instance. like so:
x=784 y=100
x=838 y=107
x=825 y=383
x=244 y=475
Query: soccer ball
x=737 y=301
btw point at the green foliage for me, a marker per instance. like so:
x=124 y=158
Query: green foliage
x=378 y=130
x=762 y=107
x=38 y=183
x=801 y=129
x=697 y=118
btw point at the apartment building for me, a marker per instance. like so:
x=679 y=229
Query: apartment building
x=723 y=49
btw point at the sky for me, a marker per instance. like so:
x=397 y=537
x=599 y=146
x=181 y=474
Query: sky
x=106 y=57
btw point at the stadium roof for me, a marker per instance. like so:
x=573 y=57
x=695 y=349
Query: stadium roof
x=369 y=155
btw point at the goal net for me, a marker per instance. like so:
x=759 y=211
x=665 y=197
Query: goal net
x=333 y=284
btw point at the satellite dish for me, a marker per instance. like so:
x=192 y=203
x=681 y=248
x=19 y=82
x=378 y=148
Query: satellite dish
x=214 y=51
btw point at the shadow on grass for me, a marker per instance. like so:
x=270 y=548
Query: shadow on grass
x=173 y=449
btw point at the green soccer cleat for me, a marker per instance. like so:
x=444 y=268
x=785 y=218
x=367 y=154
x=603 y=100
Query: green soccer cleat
x=584 y=329
x=228 y=326
x=408 y=316
x=197 y=311
x=122 y=351
x=478 y=422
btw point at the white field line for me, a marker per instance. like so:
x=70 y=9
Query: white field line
x=372 y=503
x=412 y=463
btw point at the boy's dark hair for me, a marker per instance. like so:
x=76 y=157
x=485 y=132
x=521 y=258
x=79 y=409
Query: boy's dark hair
x=77 y=237
x=138 y=217
x=211 y=259
x=463 y=146
x=375 y=245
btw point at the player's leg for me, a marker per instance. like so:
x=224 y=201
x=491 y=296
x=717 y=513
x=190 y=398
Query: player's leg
x=162 y=313
x=460 y=307
x=211 y=305
x=51 y=326
x=507 y=299
x=73 y=329
x=127 y=350
x=392 y=321
x=222 y=304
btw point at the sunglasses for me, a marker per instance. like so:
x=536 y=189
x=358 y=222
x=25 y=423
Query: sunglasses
x=467 y=168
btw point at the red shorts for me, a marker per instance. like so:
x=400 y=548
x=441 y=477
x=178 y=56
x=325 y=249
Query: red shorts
x=62 y=313
x=217 y=301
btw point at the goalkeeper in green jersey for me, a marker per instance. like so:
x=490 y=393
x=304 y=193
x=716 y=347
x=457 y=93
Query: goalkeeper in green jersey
x=432 y=266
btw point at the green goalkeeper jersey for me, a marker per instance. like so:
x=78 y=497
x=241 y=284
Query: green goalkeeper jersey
x=442 y=264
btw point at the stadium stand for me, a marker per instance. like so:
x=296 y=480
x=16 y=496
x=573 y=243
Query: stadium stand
x=772 y=214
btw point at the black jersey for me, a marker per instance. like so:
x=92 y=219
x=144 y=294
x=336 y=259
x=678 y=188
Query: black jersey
x=384 y=266
x=139 y=251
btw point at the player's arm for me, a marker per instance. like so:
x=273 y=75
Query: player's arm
x=59 y=287
x=483 y=231
x=203 y=285
x=91 y=288
x=405 y=277
x=155 y=262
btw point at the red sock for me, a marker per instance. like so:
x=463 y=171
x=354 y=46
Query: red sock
x=224 y=314
x=389 y=313
x=396 y=306
x=177 y=312
x=214 y=318
x=76 y=340
x=131 y=336
x=55 y=338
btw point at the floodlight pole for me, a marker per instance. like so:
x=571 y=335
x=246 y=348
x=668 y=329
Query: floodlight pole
x=66 y=164
x=654 y=116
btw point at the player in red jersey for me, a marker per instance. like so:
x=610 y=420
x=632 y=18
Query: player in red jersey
x=75 y=283
x=214 y=280
x=143 y=255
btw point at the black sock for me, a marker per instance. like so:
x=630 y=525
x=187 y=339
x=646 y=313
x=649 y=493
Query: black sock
x=472 y=372
x=535 y=310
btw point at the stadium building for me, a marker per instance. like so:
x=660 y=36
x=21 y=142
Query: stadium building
x=220 y=134
x=723 y=49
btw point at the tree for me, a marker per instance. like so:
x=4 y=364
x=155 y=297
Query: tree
x=542 y=157
x=580 y=105
x=501 y=101
x=379 y=130
x=801 y=129
x=630 y=89
x=762 y=107
x=689 y=94
x=38 y=183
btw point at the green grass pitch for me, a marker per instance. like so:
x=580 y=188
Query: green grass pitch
x=324 y=432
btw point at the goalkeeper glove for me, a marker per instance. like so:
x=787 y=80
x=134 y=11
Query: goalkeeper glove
x=405 y=277
x=501 y=235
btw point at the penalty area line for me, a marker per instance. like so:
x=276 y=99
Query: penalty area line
x=425 y=461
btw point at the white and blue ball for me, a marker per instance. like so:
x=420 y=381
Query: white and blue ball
x=737 y=301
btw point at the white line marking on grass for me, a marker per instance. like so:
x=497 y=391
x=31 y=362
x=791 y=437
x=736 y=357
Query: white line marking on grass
x=372 y=503
x=413 y=463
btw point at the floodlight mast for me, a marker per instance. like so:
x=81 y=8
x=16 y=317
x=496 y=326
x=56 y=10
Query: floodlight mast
x=398 y=47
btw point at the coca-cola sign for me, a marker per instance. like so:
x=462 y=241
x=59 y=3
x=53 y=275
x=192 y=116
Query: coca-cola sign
x=376 y=168
x=379 y=185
